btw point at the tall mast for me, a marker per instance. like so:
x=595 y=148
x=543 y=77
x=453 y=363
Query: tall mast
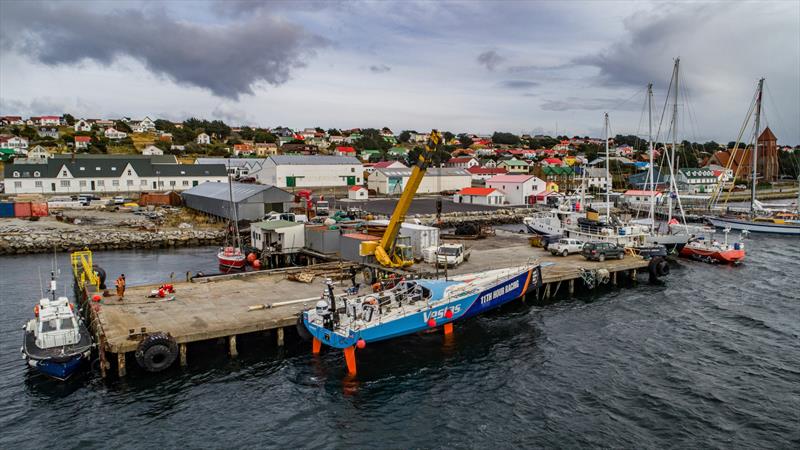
x=672 y=168
x=753 y=179
x=234 y=213
x=650 y=150
x=608 y=181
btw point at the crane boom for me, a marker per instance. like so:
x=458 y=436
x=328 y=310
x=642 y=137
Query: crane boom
x=385 y=251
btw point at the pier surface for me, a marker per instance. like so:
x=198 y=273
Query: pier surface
x=220 y=307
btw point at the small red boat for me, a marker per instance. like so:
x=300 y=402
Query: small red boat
x=713 y=251
x=231 y=258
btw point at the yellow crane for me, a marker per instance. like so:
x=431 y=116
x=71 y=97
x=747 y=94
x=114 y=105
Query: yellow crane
x=385 y=250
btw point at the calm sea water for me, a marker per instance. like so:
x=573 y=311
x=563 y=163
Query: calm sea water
x=709 y=359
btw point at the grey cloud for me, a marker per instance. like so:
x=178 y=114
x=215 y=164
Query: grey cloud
x=227 y=59
x=490 y=59
x=589 y=104
x=379 y=68
x=518 y=84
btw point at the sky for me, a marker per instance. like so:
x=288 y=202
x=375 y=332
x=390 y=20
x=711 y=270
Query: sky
x=473 y=66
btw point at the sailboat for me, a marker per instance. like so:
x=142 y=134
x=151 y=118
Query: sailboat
x=230 y=255
x=757 y=219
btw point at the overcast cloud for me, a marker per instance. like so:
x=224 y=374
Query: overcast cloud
x=461 y=66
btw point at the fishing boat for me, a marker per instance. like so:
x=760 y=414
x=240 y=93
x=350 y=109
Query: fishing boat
x=411 y=306
x=230 y=255
x=56 y=342
x=758 y=219
x=708 y=249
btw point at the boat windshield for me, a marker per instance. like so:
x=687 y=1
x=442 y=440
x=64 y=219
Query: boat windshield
x=50 y=325
x=66 y=324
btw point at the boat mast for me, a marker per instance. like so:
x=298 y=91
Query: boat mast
x=650 y=149
x=754 y=180
x=234 y=214
x=672 y=187
x=608 y=182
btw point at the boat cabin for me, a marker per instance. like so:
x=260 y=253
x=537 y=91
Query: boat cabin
x=56 y=325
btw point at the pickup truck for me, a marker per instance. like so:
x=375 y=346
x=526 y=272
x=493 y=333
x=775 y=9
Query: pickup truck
x=601 y=250
x=565 y=246
x=452 y=255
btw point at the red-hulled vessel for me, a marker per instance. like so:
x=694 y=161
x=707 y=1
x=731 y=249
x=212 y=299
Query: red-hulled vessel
x=231 y=258
x=230 y=255
x=710 y=250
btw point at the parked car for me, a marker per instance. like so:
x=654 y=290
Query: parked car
x=565 y=246
x=119 y=200
x=601 y=250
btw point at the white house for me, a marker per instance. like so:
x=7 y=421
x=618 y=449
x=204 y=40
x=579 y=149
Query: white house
x=15 y=142
x=145 y=125
x=418 y=138
x=312 y=171
x=203 y=139
x=64 y=174
x=49 y=121
x=357 y=193
x=596 y=178
x=336 y=139
x=112 y=133
x=371 y=168
x=482 y=174
x=38 y=152
x=82 y=125
x=278 y=236
x=82 y=142
x=462 y=162
x=694 y=180
x=393 y=181
x=518 y=189
x=239 y=167
x=641 y=198
x=152 y=150
x=479 y=196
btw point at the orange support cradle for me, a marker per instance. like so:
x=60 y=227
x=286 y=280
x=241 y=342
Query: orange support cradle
x=316 y=346
x=448 y=328
x=350 y=359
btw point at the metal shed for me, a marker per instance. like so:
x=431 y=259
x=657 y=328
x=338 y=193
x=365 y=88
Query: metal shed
x=252 y=200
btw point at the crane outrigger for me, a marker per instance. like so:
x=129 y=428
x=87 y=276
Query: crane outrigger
x=385 y=250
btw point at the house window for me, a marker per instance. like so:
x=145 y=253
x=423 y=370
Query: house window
x=172 y=183
x=83 y=168
x=130 y=182
x=38 y=184
x=16 y=174
x=161 y=183
x=352 y=170
x=130 y=172
x=185 y=182
x=143 y=182
x=64 y=173
x=37 y=174
x=113 y=168
x=115 y=182
x=82 y=183
x=64 y=183
x=18 y=184
x=101 y=183
x=96 y=168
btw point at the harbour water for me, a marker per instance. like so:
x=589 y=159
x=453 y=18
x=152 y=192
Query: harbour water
x=708 y=359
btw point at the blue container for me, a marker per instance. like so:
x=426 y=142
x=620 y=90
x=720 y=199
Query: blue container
x=622 y=231
x=6 y=209
x=736 y=246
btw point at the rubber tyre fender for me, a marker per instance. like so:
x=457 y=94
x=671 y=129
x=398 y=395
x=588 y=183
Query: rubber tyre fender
x=652 y=268
x=156 y=352
x=302 y=331
x=663 y=268
x=101 y=273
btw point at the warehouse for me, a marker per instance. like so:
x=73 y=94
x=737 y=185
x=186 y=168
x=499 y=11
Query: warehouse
x=252 y=201
x=393 y=181
x=311 y=171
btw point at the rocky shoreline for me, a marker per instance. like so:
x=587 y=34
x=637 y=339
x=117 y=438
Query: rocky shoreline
x=22 y=241
x=491 y=217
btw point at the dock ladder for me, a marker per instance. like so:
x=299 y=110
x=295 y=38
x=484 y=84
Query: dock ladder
x=83 y=269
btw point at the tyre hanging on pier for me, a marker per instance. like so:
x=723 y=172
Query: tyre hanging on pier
x=101 y=274
x=157 y=352
x=658 y=267
x=302 y=330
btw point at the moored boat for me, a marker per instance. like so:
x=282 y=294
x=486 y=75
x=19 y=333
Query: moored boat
x=56 y=342
x=708 y=249
x=342 y=321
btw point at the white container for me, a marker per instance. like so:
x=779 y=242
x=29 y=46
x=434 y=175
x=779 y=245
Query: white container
x=429 y=254
x=422 y=237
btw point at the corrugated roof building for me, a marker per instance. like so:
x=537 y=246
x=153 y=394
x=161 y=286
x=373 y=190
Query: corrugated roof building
x=393 y=181
x=252 y=201
x=289 y=171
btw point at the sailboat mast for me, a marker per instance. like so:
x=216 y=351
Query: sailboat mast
x=650 y=150
x=234 y=213
x=754 y=180
x=672 y=168
x=608 y=181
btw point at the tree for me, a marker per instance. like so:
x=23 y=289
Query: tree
x=589 y=150
x=69 y=119
x=464 y=140
x=448 y=136
x=122 y=126
x=404 y=136
x=371 y=139
x=505 y=138
x=711 y=147
x=247 y=133
x=27 y=132
x=165 y=125
x=264 y=136
x=319 y=130
x=334 y=132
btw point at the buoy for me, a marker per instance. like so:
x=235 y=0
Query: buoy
x=36 y=310
x=96 y=298
x=361 y=343
x=431 y=322
x=448 y=314
x=161 y=293
x=257 y=265
x=251 y=257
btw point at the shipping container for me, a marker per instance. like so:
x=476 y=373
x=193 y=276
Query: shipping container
x=22 y=209
x=422 y=236
x=39 y=209
x=350 y=247
x=6 y=209
x=322 y=239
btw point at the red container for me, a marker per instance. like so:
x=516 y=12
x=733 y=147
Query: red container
x=22 y=209
x=39 y=209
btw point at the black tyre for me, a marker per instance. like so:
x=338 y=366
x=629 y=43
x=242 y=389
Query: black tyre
x=100 y=274
x=663 y=268
x=622 y=255
x=564 y=253
x=302 y=330
x=602 y=257
x=157 y=352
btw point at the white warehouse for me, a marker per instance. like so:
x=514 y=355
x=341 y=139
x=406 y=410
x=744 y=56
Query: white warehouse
x=393 y=181
x=288 y=171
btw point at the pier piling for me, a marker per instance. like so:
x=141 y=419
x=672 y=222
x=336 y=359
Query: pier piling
x=232 y=346
x=183 y=355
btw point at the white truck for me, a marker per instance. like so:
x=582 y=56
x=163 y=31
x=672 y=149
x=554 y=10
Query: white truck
x=289 y=217
x=565 y=247
x=452 y=255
